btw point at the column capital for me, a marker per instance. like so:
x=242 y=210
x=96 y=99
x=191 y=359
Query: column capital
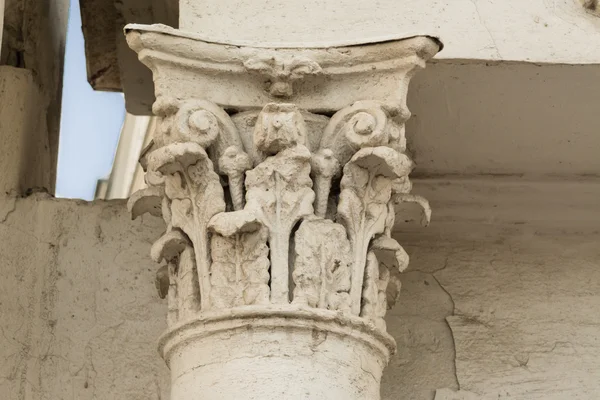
x=276 y=171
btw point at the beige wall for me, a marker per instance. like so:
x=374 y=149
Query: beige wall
x=541 y=31
x=80 y=314
x=31 y=69
x=25 y=158
x=503 y=290
x=501 y=297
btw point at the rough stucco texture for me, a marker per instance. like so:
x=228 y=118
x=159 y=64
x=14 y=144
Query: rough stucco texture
x=80 y=316
x=505 y=280
x=515 y=269
x=554 y=31
x=490 y=119
x=23 y=133
x=525 y=323
x=34 y=39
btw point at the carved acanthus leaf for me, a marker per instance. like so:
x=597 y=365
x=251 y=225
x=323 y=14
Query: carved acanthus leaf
x=233 y=223
x=390 y=252
x=370 y=290
x=279 y=126
x=234 y=163
x=176 y=157
x=419 y=200
x=204 y=123
x=363 y=207
x=162 y=281
x=279 y=193
x=363 y=124
x=146 y=200
x=178 y=280
x=188 y=297
x=393 y=260
x=196 y=196
x=226 y=150
x=374 y=296
x=322 y=265
x=169 y=246
x=324 y=166
x=393 y=289
x=240 y=263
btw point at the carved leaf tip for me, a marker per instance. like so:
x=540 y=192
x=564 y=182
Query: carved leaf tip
x=419 y=200
x=143 y=159
x=176 y=157
x=235 y=222
x=383 y=161
x=169 y=246
x=390 y=252
x=393 y=291
x=146 y=200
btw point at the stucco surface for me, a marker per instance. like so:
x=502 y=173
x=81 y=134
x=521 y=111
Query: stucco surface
x=34 y=36
x=505 y=119
x=23 y=133
x=555 y=31
x=80 y=315
x=506 y=276
x=514 y=269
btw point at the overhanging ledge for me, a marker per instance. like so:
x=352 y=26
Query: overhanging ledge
x=242 y=77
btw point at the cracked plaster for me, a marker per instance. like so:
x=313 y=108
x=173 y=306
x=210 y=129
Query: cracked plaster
x=80 y=315
x=524 y=288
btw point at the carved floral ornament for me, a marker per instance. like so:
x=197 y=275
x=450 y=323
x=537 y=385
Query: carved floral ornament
x=282 y=220
x=277 y=206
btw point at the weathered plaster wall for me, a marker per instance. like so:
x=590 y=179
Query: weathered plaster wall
x=25 y=158
x=500 y=299
x=544 y=31
x=33 y=41
x=505 y=119
x=79 y=311
x=514 y=269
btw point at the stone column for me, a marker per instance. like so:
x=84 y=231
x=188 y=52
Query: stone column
x=276 y=171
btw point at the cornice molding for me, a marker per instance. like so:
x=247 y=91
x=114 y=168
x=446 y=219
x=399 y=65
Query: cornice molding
x=319 y=79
